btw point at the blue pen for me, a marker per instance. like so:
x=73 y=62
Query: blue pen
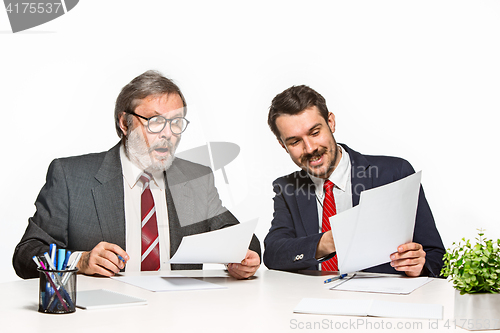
x=65 y=263
x=339 y=277
x=61 y=256
x=53 y=249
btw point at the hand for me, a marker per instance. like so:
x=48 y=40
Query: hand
x=410 y=259
x=326 y=245
x=247 y=267
x=103 y=260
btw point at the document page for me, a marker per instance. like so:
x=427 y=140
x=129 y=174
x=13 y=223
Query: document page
x=228 y=245
x=102 y=298
x=386 y=285
x=374 y=308
x=167 y=283
x=366 y=235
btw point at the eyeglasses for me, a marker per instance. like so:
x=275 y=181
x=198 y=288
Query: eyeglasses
x=156 y=124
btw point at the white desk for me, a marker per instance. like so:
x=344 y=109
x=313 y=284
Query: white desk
x=262 y=304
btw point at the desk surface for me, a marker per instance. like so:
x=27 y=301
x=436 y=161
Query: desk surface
x=262 y=304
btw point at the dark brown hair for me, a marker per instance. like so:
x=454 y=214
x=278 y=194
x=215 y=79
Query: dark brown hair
x=293 y=101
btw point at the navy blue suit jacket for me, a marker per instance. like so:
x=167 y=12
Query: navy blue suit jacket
x=294 y=234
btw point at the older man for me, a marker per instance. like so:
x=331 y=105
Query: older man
x=136 y=200
x=331 y=180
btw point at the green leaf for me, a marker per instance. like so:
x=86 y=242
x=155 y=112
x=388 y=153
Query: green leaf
x=473 y=268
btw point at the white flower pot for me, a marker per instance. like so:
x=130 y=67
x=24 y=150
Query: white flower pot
x=477 y=311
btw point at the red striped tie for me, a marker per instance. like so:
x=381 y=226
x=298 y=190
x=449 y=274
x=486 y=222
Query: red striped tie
x=150 y=249
x=329 y=209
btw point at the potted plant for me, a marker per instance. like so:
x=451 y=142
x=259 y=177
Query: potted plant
x=475 y=273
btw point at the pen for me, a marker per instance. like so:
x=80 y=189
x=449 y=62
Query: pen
x=339 y=277
x=51 y=265
x=53 y=250
x=71 y=267
x=121 y=258
x=61 y=256
x=75 y=261
x=44 y=299
x=37 y=262
x=65 y=263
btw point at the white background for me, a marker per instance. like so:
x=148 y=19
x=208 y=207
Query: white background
x=415 y=79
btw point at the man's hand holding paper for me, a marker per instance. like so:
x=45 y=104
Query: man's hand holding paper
x=382 y=222
x=410 y=258
x=246 y=268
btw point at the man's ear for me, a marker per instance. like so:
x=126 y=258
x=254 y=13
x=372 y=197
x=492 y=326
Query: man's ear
x=123 y=123
x=331 y=122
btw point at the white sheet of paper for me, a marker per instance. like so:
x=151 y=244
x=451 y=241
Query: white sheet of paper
x=102 y=299
x=366 y=235
x=223 y=246
x=347 y=307
x=167 y=283
x=386 y=285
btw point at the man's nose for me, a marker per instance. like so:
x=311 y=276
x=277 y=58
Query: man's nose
x=309 y=146
x=166 y=132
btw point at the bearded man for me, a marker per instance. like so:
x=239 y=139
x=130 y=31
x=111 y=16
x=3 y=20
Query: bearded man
x=330 y=181
x=129 y=208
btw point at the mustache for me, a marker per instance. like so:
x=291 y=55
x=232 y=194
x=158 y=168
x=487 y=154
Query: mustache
x=318 y=152
x=162 y=144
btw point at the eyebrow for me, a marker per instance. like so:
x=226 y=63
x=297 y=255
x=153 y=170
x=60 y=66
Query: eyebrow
x=156 y=113
x=310 y=130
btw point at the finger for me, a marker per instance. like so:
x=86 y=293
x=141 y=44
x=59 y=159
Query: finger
x=409 y=247
x=98 y=270
x=411 y=270
x=251 y=259
x=90 y=266
x=243 y=271
x=113 y=253
x=234 y=272
x=101 y=257
x=406 y=262
x=110 y=261
x=116 y=250
x=240 y=274
x=408 y=255
x=237 y=267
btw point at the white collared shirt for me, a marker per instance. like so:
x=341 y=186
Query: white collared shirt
x=132 y=189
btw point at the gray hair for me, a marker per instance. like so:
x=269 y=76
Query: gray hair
x=148 y=83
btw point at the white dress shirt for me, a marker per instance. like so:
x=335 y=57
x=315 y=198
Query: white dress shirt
x=132 y=189
x=342 y=191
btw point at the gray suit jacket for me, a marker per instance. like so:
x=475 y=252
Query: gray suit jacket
x=82 y=204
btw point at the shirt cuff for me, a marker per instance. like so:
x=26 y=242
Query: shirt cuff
x=327 y=257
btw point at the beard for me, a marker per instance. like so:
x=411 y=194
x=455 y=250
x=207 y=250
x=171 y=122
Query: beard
x=142 y=155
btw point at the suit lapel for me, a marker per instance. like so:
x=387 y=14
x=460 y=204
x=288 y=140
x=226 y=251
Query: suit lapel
x=108 y=198
x=181 y=195
x=360 y=174
x=306 y=202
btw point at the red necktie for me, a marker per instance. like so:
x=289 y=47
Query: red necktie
x=150 y=249
x=329 y=209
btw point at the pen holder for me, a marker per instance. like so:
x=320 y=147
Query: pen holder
x=57 y=291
